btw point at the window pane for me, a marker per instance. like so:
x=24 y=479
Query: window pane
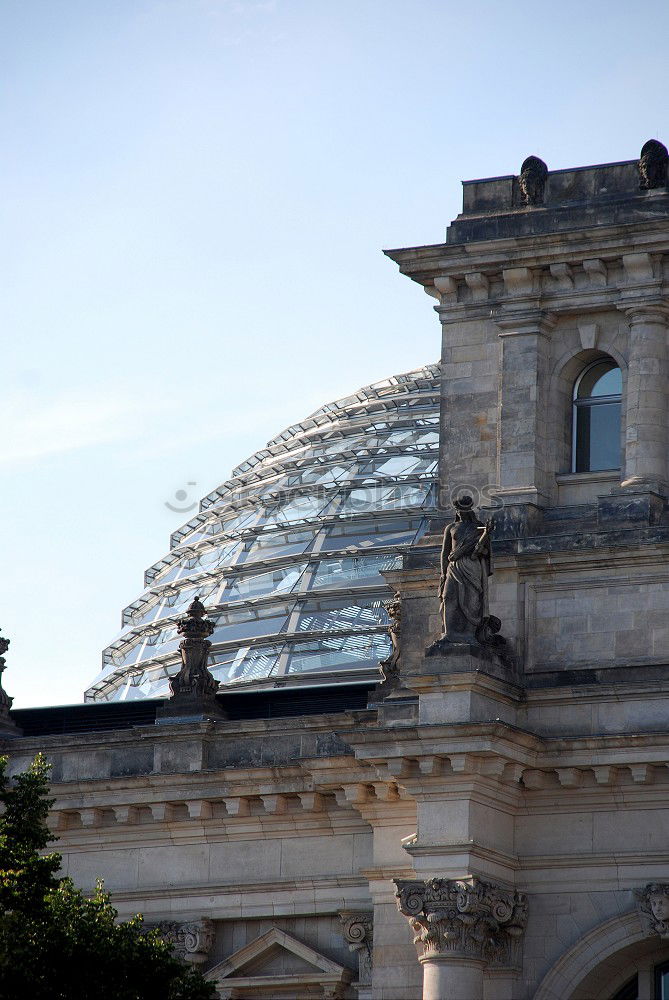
x=598 y=437
x=630 y=990
x=603 y=379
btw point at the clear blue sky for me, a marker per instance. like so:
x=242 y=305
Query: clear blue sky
x=194 y=195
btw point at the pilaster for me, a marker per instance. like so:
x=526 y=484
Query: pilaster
x=523 y=447
x=647 y=441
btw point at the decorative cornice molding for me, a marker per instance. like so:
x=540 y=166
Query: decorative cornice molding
x=464 y=919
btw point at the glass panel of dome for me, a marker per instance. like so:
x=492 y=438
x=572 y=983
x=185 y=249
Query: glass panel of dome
x=341 y=616
x=265 y=621
x=370 y=533
x=300 y=508
x=160 y=643
x=353 y=570
x=305 y=657
x=172 y=572
x=286 y=543
x=398 y=465
x=247 y=663
x=276 y=581
x=379 y=497
x=174 y=603
x=238 y=520
x=127 y=655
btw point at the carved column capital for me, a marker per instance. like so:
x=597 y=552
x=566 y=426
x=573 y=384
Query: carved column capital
x=358 y=931
x=464 y=919
x=192 y=940
x=652 y=903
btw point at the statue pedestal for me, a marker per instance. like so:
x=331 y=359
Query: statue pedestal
x=444 y=657
x=465 y=682
x=193 y=707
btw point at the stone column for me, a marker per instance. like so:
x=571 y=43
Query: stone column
x=646 y=439
x=523 y=429
x=462 y=927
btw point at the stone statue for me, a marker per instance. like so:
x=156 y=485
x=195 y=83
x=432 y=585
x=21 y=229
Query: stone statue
x=7 y=726
x=653 y=165
x=466 y=564
x=653 y=907
x=532 y=180
x=390 y=666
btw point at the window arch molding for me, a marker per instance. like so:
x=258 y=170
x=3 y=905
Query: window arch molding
x=601 y=961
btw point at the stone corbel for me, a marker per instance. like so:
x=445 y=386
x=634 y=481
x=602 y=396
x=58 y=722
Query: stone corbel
x=561 y=273
x=478 y=285
x=596 y=271
x=467 y=919
x=518 y=280
x=652 y=903
x=192 y=941
x=358 y=929
x=446 y=290
x=638 y=268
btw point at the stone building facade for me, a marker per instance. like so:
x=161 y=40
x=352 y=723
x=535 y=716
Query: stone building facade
x=491 y=821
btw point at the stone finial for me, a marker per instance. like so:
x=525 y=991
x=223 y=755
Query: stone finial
x=7 y=726
x=192 y=941
x=466 y=918
x=193 y=688
x=652 y=903
x=653 y=163
x=532 y=180
x=358 y=929
x=194 y=677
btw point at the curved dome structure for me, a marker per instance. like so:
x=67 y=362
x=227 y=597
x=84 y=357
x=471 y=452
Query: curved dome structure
x=287 y=555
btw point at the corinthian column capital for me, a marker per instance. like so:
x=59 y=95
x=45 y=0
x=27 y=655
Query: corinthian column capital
x=466 y=919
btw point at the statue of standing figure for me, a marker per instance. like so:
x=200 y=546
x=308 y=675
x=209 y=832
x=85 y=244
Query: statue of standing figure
x=466 y=564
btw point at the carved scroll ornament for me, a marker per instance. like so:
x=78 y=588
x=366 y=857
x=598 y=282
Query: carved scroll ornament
x=464 y=918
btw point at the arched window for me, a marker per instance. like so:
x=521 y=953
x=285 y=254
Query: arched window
x=596 y=417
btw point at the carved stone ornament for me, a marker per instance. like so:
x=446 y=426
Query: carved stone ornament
x=653 y=164
x=532 y=181
x=466 y=564
x=390 y=667
x=358 y=928
x=194 y=677
x=652 y=903
x=192 y=941
x=466 y=918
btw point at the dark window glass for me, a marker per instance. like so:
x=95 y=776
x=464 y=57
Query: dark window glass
x=630 y=990
x=662 y=981
x=597 y=418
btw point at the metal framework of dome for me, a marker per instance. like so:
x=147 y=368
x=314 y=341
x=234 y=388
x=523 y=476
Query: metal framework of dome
x=287 y=555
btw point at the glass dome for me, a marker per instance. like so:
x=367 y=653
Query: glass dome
x=287 y=555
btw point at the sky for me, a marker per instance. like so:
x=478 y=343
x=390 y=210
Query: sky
x=194 y=199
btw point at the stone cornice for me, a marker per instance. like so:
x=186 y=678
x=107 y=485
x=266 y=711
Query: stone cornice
x=423 y=263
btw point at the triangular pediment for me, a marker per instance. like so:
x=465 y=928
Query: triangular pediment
x=277 y=961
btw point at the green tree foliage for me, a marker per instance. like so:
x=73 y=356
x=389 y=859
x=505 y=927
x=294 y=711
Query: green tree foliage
x=57 y=944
